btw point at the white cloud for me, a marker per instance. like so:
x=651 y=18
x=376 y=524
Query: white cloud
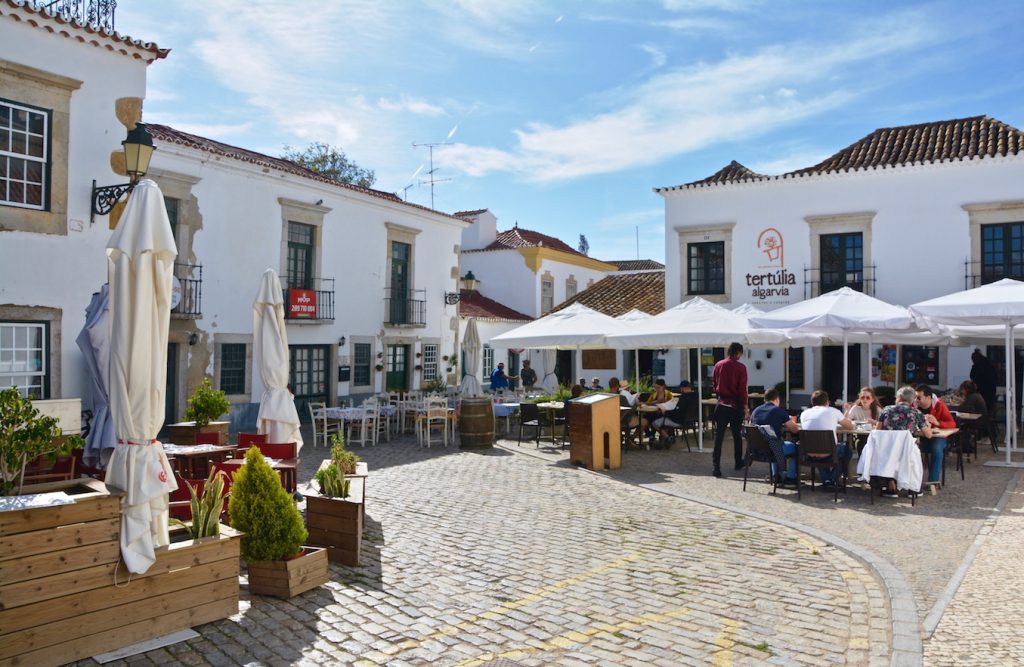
x=658 y=57
x=789 y=162
x=412 y=105
x=685 y=109
x=704 y=5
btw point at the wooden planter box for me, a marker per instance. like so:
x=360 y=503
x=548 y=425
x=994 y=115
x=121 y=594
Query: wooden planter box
x=184 y=433
x=288 y=578
x=58 y=598
x=337 y=523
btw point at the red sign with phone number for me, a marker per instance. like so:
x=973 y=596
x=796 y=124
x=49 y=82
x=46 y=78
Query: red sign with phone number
x=301 y=303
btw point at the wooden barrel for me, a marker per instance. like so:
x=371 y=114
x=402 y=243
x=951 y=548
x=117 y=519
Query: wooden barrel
x=476 y=423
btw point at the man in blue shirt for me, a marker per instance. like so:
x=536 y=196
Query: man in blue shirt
x=498 y=378
x=770 y=414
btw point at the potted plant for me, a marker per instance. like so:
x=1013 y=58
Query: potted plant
x=418 y=367
x=206 y=507
x=25 y=437
x=335 y=508
x=205 y=407
x=278 y=563
x=379 y=367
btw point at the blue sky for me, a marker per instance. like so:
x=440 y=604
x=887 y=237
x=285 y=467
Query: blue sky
x=564 y=115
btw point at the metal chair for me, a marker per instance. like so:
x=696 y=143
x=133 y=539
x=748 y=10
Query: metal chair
x=759 y=449
x=529 y=415
x=817 y=450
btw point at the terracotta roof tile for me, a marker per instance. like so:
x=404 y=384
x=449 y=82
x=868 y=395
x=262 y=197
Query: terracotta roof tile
x=475 y=304
x=173 y=136
x=517 y=237
x=976 y=137
x=39 y=9
x=468 y=214
x=637 y=264
x=618 y=294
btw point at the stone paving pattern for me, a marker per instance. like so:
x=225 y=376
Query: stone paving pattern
x=505 y=558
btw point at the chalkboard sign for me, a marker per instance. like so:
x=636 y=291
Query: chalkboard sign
x=344 y=373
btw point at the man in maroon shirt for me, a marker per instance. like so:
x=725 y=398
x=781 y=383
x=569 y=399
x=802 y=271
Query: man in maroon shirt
x=731 y=387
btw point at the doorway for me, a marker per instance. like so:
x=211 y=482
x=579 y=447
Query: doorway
x=832 y=371
x=171 y=385
x=308 y=375
x=398 y=364
x=564 y=367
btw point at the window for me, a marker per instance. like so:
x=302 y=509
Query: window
x=171 y=204
x=842 y=261
x=547 y=295
x=1002 y=252
x=300 y=255
x=429 y=363
x=488 y=360
x=23 y=357
x=570 y=288
x=232 y=368
x=24 y=153
x=705 y=267
x=796 y=368
x=361 y=357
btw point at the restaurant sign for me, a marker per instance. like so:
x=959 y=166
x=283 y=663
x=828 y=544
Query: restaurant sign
x=775 y=281
x=301 y=303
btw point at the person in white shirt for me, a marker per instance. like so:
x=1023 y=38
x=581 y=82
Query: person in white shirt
x=622 y=389
x=823 y=417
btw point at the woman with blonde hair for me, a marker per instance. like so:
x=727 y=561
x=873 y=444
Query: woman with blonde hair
x=866 y=408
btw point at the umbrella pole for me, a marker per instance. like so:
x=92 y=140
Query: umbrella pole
x=785 y=372
x=846 y=369
x=700 y=403
x=1010 y=441
x=636 y=368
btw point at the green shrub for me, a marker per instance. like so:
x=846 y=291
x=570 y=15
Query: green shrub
x=332 y=482
x=343 y=458
x=262 y=509
x=206 y=507
x=436 y=386
x=25 y=436
x=207 y=404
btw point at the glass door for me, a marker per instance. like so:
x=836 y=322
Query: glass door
x=398 y=364
x=308 y=374
x=399 y=283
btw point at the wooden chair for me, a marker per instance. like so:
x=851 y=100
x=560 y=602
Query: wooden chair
x=279 y=450
x=86 y=470
x=529 y=416
x=758 y=449
x=247 y=440
x=46 y=469
x=434 y=419
x=365 y=425
x=203 y=438
x=817 y=450
x=323 y=426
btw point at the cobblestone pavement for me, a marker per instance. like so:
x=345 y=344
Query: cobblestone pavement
x=980 y=625
x=499 y=558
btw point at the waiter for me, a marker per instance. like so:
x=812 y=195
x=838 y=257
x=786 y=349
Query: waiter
x=730 y=378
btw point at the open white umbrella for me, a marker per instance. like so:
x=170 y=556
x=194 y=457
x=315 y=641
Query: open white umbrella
x=998 y=303
x=471 y=347
x=574 y=328
x=94 y=342
x=141 y=256
x=838 y=313
x=277 y=417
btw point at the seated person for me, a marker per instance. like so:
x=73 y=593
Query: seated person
x=902 y=416
x=937 y=415
x=823 y=417
x=595 y=385
x=575 y=392
x=660 y=395
x=673 y=417
x=623 y=390
x=971 y=400
x=771 y=414
x=866 y=408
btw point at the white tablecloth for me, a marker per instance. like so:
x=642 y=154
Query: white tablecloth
x=505 y=409
x=892 y=454
x=352 y=414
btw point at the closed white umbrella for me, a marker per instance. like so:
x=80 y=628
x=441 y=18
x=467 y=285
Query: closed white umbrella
x=471 y=347
x=94 y=342
x=277 y=417
x=550 y=381
x=998 y=303
x=141 y=256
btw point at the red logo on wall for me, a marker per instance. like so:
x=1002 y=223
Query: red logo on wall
x=301 y=303
x=770 y=243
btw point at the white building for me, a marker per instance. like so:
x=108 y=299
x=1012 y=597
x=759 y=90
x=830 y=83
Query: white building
x=904 y=214
x=66 y=90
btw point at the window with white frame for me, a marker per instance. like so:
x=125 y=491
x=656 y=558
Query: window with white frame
x=429 y=362
x=23 y=355
x=547 y=295
x=570 y=288
x=488 y=360
x=24 y=150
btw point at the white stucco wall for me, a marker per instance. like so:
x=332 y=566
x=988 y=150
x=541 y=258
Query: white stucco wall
x=919 y=233
x=505 y=278
x=62 y=271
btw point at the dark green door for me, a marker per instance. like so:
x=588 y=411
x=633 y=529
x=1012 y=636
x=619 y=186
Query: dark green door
x=399 y=283
x=300 y=255
x=308 y=373
x=398 y=362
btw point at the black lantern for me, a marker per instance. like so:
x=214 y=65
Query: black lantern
x=469 y=283
x=138 y=150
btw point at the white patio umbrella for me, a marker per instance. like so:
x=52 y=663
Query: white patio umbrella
x=998 y=303
x=94 y=342
x=277 y=416
x=635 y=315
x=471 y=348
x=141 y=256
x=838 y=313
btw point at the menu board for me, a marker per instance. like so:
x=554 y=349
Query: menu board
x=920 y=364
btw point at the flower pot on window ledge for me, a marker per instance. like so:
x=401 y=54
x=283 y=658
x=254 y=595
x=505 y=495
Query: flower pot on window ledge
x=417 y=367
x=379 y=367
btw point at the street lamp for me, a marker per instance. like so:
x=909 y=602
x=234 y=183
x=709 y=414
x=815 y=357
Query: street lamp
x=469 y=283
x=138 y=149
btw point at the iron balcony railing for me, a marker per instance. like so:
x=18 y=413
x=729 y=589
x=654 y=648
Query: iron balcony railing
x=95 y=13
x=190 y=282
x=818 y=281
x=977 y=274
x=405 y=307
x=314 y=304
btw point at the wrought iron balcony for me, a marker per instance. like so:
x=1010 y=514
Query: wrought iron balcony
x=818 y=280
x=977 y=274
x=190 y=285
x=405 y=307
x=311 y=305
x=95 y=13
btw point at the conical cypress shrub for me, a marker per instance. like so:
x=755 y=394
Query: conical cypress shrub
x=262 y=509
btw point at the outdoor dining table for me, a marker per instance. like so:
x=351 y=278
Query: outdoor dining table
x=505 y=410
x=190 y=460
x=286 y=468
x=552 y=407
x=887 y=463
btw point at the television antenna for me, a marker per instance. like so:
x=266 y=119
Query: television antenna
x=432 y=179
